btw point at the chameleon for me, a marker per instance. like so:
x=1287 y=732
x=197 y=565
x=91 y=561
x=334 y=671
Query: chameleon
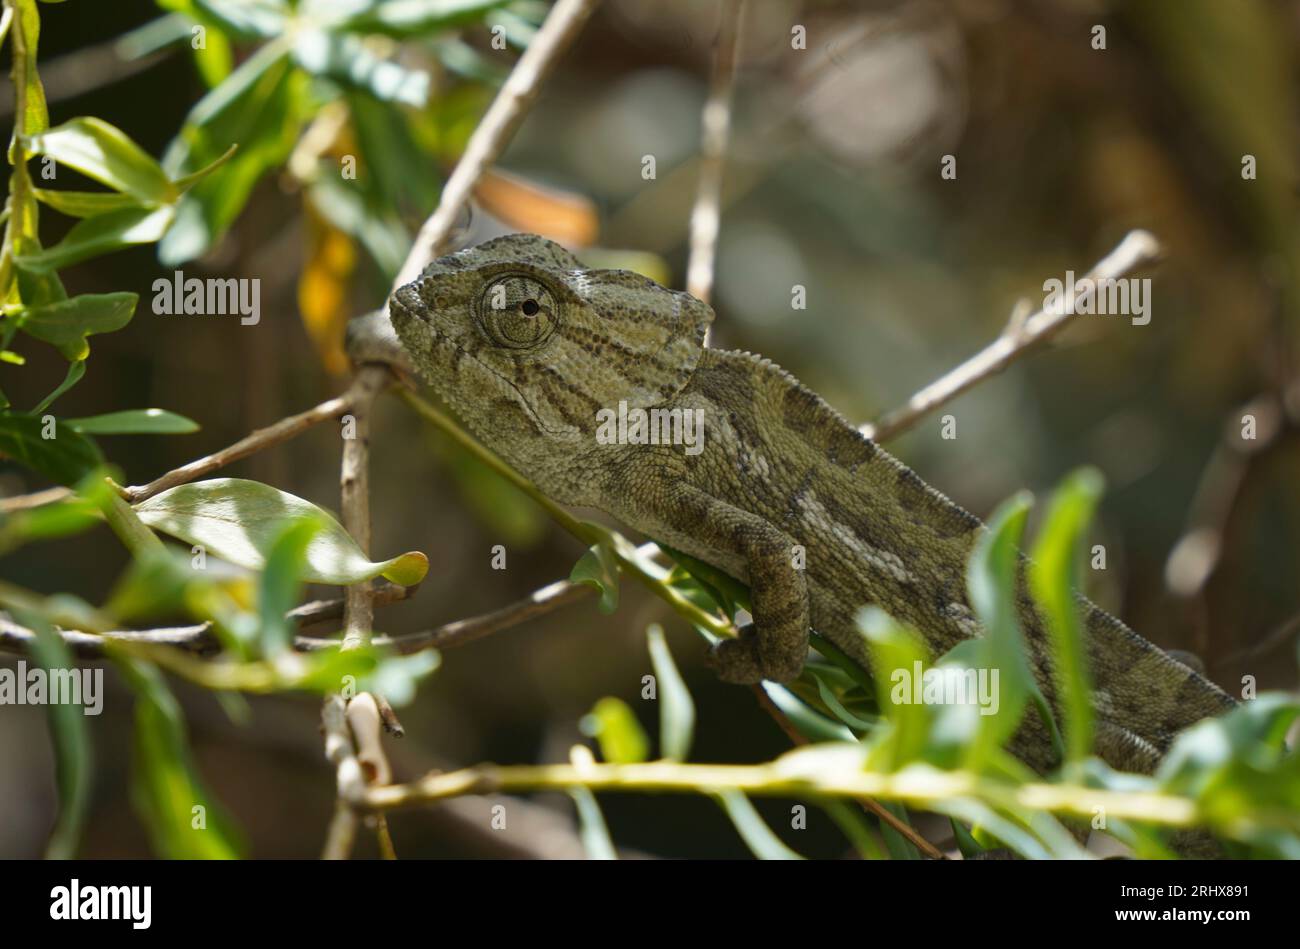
x=532 y=351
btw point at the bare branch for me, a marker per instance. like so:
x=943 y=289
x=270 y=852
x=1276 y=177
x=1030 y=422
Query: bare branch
x=496 y=128
x=1022 y=335
x=23 y=502
x=197 y=638
x=715 y=125
x=281 y=431
x=354 y=485
x=341 y=752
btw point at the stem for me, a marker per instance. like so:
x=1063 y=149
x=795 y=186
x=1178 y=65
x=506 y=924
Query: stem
x=132 y=531
x=918 y=786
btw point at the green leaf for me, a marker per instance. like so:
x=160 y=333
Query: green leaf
x=615 y=728
x=992 y=578
x=347 y=60
x=75 y=371
x=105 y=154
x=758 y=837
x=849 y=817
x=260 y=107
x=1053 y=577
x=238 y=521
x=246 y=19
x=592 y=830
x=65 y=458
x=85 y=203
x=281 y=581
x=836 y=707
x=70 y=515
x=599 y=568
x=896 y=655
x=67 y=323
x=182 y=819
x=380 y=231
x=966 y=843
x=102 y=234
x=676 y=708
x=134 y=422
x=72 y=752
x=394 y=166
x=807 y=721
x=405 y=18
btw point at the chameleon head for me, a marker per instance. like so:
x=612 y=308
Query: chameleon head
x=527 y=346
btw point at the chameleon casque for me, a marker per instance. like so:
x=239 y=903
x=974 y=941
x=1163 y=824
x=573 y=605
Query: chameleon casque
x=528 y=347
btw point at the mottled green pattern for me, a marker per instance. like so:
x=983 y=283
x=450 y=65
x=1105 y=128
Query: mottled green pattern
x=528 y=347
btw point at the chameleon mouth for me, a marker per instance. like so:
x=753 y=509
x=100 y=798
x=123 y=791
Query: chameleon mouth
x=406 y=303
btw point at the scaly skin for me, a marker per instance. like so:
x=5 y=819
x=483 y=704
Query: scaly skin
x=527 y=347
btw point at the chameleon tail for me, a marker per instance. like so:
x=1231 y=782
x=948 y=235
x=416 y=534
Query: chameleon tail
x=1143 y=697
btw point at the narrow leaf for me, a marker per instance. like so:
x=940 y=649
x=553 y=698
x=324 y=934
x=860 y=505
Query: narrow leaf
x=102 y=234
x=753 y=830
x=134 y=422
x=72 y=750
x=1053 y=577
x=676 y=708
x=598 y=568
x=592 y=829
x=105 y=154
x=66 y=457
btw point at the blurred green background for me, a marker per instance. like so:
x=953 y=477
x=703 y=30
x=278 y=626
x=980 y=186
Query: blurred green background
x=832 y=183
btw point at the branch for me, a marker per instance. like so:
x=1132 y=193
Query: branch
x=281 y=431
x=1136 y=250
x=496 y=128
x=348 y=775
x=920 y=786
x=199 y=638
x=354 y=486
x=715 y=124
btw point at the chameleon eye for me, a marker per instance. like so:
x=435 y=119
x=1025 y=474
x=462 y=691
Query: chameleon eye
x=517 y=312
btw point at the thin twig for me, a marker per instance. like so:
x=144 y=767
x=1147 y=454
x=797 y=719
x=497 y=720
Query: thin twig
x=24 y=502
x=1136 y=250
x=715 y=125
x=497 y=127
x=358 y=608
x=354 y=486
x=349 y=777
x=199 y=638
x=1195 y=556
x=282 y=430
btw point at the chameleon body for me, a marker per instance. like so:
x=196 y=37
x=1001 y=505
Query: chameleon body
x=529 y=348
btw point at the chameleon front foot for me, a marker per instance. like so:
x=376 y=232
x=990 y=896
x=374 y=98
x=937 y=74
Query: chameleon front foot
x=740 y=660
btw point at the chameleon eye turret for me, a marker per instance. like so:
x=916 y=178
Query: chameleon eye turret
x=517 y=312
